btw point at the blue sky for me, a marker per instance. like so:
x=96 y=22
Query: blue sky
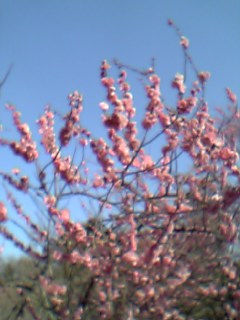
x=56 y=46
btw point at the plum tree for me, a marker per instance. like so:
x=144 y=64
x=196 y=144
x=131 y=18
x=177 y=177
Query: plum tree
x=156 y=245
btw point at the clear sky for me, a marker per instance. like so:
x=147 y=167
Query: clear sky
x=56 y=46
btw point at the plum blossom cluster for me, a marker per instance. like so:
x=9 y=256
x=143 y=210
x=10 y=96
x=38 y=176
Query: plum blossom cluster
x=102 y=152
x=203 y=76
x=3 y=212
x=178 y=83
x=46 y=130
x=184 y=42
x=71 y=119
x=26 y=147
x=52 y=289
x=68 y=171
x=231 y=96
x=21 y=184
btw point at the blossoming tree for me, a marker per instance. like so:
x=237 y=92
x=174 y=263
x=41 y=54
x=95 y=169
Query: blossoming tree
x=156 y=245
